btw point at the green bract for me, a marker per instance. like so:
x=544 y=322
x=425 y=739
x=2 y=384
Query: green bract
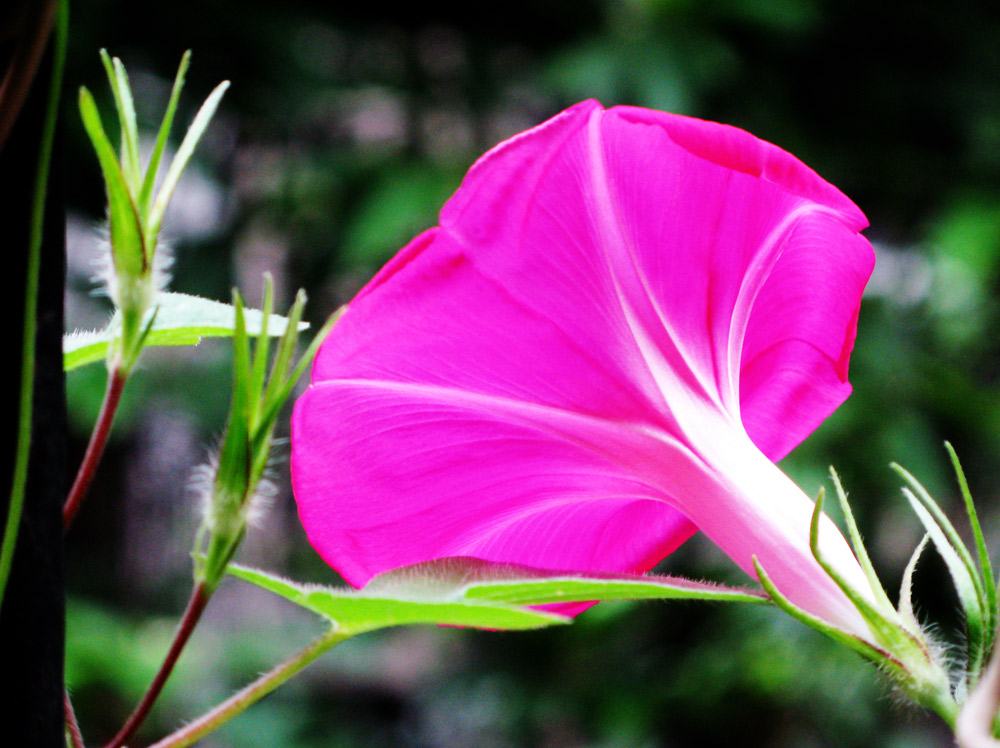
x=899 y=644
x=235 y=478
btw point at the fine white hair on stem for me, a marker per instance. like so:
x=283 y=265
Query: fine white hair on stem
x=261 y=500
x=253 y=506
x=104 y=278
x=201 y=483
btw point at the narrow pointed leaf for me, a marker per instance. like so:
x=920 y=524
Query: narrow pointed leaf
x=126 y=232
x=233 y=474
x=400 y=600
x=146 y=194
x=181 y=158
x=181 y=320
x=985 y=566
x=858 y=544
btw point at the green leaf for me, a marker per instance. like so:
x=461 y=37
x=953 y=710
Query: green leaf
x=433 y=593
x=470 y=592
x=127 y=248
x=180 y=320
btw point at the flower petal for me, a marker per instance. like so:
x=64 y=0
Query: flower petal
x=423 y=472
x=579 y=361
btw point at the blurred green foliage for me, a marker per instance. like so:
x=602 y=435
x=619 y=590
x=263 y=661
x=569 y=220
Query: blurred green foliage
x=346 y=127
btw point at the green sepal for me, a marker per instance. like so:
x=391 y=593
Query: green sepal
x=965 y=574
x=881 y=598
x=950 y=536
x=127 y=242
x=963 y=580
x=149 y=182
x=180 y=320
x=125 y=106
x=257 y=400
x=906 y=587
x=278 y=392
x=912 y=668
x=180 y=160
x=912 y=663
x=864 y=648
x=985 y=566
x=883 y=627
x=430 y=593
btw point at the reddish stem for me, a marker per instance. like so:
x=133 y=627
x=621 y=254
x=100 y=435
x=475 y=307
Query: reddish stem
x=95 y=449
x=195 y=607
x=72 y=726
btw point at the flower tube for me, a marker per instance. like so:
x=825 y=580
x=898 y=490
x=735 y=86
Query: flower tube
x=623 y=318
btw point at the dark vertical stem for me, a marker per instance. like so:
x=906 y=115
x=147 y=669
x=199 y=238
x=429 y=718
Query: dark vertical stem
x=32 y=616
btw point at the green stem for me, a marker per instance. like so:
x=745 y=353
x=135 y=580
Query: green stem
x=239 y=702
x=20 y=479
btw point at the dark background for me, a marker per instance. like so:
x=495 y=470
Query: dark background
x=346 y=127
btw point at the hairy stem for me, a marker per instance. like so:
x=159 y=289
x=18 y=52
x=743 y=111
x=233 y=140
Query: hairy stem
x=239 y=702
x=95 y=449
x=192 y=614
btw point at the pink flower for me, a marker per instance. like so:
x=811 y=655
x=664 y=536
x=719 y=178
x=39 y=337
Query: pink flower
x=622 y=319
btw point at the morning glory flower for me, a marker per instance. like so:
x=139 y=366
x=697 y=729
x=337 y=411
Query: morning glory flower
x=622 y=320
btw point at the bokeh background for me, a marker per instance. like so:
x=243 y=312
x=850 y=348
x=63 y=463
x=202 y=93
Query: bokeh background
x=347 y=126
